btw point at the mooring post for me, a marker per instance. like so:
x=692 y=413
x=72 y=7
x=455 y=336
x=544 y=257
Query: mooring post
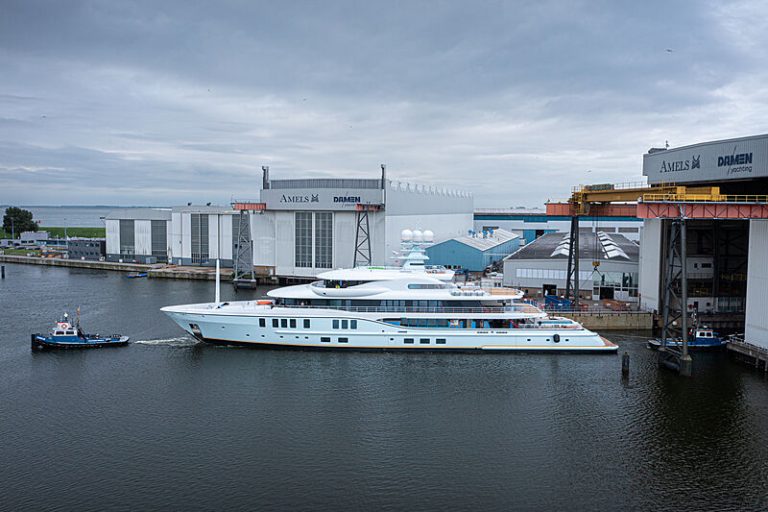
x=625 y=365
x=2 y=271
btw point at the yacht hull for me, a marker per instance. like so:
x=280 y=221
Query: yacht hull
x=323 y=329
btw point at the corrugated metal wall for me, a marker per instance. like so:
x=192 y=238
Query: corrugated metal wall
x=756 y=330
x=650 y=264
x=143 y=237
x=113 y=236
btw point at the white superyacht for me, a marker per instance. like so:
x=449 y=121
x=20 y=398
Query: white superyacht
x=386 y=308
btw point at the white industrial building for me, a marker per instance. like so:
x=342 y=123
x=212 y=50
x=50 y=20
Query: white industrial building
x=300 y=228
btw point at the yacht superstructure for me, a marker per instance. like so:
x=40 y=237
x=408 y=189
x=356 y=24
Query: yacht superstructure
x=369 y=309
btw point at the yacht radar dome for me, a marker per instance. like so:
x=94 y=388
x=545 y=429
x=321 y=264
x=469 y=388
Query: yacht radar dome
x=418 y=236
x=429 y=236
x=406 y=235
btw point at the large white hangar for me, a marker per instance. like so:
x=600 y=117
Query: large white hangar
x=727 y=241
x=300 y=228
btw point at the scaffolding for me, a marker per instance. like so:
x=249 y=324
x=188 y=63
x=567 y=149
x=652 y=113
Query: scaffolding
x=244 y=275
x=675 y=305
x=363 y=234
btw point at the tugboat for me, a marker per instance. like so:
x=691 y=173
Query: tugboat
x=698 y=338
x=64 y=335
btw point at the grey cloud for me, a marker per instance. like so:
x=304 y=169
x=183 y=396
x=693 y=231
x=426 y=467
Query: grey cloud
x=145 y=101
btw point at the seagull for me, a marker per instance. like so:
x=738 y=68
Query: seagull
x=669 y=50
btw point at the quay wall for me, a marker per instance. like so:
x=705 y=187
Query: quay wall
x=611 y=320
x=165 y=272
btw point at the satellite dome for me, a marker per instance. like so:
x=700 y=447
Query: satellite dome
x=429 y=236
x=417 y=235
x=406 y=235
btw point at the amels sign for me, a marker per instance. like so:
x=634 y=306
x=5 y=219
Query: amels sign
x=292 y=199
x=726 y=160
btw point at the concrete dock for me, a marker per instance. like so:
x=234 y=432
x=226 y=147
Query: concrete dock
x=153 y=271
x=606 y=320
x=749 y=353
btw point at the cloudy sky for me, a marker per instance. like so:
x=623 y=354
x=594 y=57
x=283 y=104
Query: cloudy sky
x=158 y=103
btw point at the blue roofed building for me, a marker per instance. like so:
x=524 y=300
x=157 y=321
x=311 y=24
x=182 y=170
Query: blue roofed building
x=474 y=251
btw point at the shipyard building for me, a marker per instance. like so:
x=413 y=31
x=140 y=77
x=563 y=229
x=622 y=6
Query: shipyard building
x=608 y=266
x=474 y=251
x=726 y=231
x=296 y=228
x=531 y=224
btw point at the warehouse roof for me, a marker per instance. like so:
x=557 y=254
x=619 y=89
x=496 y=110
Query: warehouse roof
x=491 y=240
x=199 y=208
x=605 y=246
x=139 y=214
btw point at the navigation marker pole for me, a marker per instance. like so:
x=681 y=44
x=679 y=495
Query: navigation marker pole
x=218 y=283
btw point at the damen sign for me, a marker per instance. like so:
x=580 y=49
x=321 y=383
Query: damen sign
x=319 y=199
x=710 y=161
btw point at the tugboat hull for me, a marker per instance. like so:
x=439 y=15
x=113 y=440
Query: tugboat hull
x=40 y=342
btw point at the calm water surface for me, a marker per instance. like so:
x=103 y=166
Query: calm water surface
x=167 y=423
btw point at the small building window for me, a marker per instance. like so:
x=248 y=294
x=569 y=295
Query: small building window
x=408 y=340
x=283 y=323
x=440 y=341
x=335 y=324
x=343 y=340
x=424 y=341
x=275 y=322
x=293 y=323
x=325 y=339
x=353 y=324
x=306 y=323
x=262 y=322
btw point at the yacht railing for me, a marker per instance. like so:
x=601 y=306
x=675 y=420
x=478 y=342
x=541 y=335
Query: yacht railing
x=517 y=308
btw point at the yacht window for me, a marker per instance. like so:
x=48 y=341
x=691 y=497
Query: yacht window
x=59 y=333
x=345 y=324
x=353 y=324
x=283 y=323
x=424 y=341
x=325 y=339
x=262 y=322
x=274 y=322
x=306 y=323
x=408 y=340
x=440 y=341
x=343 y=340
x=293 y=323
x=335 y=324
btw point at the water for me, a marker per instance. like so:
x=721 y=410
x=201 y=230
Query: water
x=168 y=423
x=68 y=216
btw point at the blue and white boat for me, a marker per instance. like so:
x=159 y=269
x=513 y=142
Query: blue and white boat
x=64 y=335
x=703 y=338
